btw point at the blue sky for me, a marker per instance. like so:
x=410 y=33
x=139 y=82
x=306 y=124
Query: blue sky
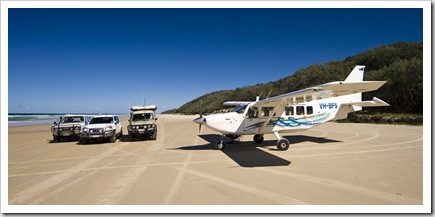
x=100 y=60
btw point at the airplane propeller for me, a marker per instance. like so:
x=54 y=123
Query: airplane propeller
x=200 y=120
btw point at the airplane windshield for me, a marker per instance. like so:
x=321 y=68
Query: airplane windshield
x=240 y=109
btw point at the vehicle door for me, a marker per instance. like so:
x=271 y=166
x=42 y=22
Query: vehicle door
x=118 y=125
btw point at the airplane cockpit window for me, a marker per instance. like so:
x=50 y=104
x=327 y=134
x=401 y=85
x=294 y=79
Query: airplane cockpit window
x=240 y=109
x=253 y=112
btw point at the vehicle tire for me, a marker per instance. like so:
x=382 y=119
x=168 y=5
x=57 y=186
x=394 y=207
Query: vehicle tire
x=283 y=144
x=120 y=134
x=132 y=137
x=113 y=137
x=258 y=138
x=56 y=138
x=84 y=141
x=220 y=145
x=154 y=136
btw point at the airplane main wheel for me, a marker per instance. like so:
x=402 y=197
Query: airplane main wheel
x=220 y=145
x=283 y=144
x=258 y=138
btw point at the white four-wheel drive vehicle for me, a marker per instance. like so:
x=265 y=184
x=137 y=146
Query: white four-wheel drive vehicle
x=102 y=127
x=69 y=126
x=142 y=122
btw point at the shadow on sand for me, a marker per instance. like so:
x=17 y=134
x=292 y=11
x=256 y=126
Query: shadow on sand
x=246 y=154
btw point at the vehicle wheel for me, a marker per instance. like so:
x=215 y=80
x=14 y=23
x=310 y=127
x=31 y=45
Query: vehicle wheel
x=283 y=144
x=84 y=141
x=220 y=145
x=154 y=136
x=120 y=135
x=132 y=137
x=258 y=138
x=56 y=138
x=113 y=137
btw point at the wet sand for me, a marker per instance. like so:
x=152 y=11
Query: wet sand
x=333 y=164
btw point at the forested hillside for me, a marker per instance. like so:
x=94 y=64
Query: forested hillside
x=400 y=64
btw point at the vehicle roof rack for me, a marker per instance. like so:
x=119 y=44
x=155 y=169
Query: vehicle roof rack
x=149 y=107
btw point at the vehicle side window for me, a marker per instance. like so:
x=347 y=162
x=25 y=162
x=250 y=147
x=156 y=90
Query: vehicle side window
x=116 y=119
x=299 y=110
x=309 y=110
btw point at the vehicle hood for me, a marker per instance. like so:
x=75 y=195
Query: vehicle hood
x=95 y=126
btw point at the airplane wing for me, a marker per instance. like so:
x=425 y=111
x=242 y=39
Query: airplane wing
x=375 y=102
x=236 y=103
x=332 y=89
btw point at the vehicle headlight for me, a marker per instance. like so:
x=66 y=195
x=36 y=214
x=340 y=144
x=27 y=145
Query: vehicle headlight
x=129 y=127
x=109 y=128
x=85 y=130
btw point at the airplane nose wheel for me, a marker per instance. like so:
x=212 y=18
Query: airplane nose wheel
x=220 y=145
x=283 y=144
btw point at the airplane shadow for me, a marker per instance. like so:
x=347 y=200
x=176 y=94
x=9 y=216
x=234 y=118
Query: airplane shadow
x=246 y=154
x=301 y=138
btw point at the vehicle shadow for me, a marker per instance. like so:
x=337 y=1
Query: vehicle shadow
x=62 y=140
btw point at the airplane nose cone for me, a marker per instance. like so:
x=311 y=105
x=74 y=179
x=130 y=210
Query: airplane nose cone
x=199 y=120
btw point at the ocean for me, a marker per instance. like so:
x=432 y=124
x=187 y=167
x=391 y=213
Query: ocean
x=26 y=119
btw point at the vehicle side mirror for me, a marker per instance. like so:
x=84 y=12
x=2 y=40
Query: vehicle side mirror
x=54 y=123
x=156 y=119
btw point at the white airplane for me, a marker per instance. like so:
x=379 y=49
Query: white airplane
x=292 y=112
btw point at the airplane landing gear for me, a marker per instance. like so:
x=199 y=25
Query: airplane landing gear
x=258 y=138
x=282 y=144
x=220 y=145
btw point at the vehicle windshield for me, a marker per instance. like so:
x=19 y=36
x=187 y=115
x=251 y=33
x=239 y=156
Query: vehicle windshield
x=142 y=117
x=101 y=120
x=240 y=109
x=75 y=119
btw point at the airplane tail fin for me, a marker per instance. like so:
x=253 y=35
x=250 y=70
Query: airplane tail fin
x=356 y=75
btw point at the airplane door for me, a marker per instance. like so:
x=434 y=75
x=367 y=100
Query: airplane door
x=251 y=123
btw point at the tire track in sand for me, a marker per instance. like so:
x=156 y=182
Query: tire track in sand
x=344 y=186
x=27 y=194
x=122 y=186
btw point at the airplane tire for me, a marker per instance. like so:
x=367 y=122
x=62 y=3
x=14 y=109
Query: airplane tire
x=258 y=138
x=220 y=145
x=283 y=144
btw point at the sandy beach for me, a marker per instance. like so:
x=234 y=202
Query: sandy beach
x=333 y=164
